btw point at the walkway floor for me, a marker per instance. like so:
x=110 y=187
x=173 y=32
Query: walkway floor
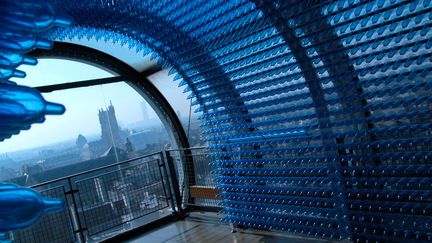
x=207 y=228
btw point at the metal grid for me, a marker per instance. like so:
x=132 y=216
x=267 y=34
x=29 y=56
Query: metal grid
x=101 y=202
x=197 y=176
x=53 y=227
x=113 y=198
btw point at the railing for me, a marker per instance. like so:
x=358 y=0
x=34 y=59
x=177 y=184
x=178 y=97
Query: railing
x=106 y=201
x=196 y=182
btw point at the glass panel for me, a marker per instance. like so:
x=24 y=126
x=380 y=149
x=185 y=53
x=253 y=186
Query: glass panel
x=181 y=105
x=56 y=71
x=102 y=125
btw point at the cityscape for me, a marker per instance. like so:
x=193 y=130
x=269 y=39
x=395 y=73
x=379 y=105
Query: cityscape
x=110 y=195
x=113 y=144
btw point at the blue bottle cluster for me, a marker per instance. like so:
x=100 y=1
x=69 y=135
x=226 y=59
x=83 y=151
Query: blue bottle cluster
x=20 y=25
x=319 y=114
x=21 y=207
x=20 y=106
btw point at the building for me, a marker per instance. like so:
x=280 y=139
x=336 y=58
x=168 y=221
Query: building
x=148 y=138
x=37 y=174
x=110 y=130
x=316 y=117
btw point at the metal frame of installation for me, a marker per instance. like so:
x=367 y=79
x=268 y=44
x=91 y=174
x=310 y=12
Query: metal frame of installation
x=317 y=113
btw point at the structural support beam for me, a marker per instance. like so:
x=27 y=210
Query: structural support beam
x=126 y=73
x=274 y=13
x=80 y=84
x=98 y=81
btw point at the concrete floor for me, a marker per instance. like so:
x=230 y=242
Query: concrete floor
x=207 y=228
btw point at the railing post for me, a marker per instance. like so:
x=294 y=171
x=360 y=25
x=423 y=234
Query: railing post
x=174 y=180
x=167 y=185
x=189 y=173
x=76 y=216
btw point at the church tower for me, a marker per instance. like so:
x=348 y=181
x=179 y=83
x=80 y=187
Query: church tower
x=109 y=127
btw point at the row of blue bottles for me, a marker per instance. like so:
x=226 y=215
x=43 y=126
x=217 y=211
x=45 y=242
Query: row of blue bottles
x=273 y=161
x=413 y=157
x=411 y=183
x=306 y=180
x=280 y=137
x=393 y=65
x=20 y=106
x=235 y=139
x=281 y=208
x=368 y=54
x=394 y=195
x=246 y=222
x=391 y=207
x=283 y=218
x=367 y=231
x=278 y=199
x=276 y=190
x=301 y=115
x=417 y=170
x=21 y=23
x=393 y=220
x=299 y=172
x=242 y=70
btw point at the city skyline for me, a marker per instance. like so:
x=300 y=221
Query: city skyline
x=82 y=103
x=111 y=138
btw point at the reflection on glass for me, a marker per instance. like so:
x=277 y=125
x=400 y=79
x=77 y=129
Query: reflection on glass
x=179 y=102
x=57 y=71
x=102 y=125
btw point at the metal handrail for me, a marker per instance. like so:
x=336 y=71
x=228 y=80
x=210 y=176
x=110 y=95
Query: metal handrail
x=168 y=170
x=83 y=227
x=93 y=170
x=183 y=149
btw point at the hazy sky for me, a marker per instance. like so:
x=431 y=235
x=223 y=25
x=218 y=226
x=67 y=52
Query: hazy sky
x=82 y=104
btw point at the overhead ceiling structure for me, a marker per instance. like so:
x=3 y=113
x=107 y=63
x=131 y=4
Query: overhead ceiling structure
x=318 y=113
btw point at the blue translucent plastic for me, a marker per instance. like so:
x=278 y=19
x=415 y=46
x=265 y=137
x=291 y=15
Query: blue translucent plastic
x=30 y=15
x=4 y=238
x=317 y=115
x=22 y=42
x=21 y=106
x=21 y=23
x=21 y=207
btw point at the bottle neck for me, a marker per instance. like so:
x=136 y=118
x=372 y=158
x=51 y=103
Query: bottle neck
x=53 y=205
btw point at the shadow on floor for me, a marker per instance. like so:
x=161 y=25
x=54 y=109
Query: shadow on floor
x=207 y=228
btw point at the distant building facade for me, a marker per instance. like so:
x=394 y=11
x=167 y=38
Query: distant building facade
x=109 y=127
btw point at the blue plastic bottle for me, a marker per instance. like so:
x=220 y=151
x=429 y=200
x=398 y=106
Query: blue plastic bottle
x=13 y=59
x=32 y=16
x=21 y=207
x=32 y=104
x=22 y=42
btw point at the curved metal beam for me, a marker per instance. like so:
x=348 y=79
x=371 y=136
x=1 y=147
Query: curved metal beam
x=273 y=11
x=136 y=80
